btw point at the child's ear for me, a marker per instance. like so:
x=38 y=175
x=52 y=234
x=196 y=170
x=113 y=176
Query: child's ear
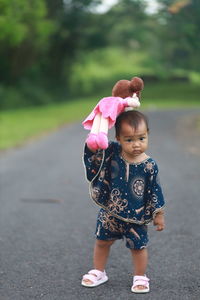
x=117 y=138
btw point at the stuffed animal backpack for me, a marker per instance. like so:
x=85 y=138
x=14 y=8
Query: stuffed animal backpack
x=125 y=94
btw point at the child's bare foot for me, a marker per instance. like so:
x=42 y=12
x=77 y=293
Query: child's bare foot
x=140 y=287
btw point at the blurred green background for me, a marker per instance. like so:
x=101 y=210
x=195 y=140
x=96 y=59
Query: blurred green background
x=59 y=57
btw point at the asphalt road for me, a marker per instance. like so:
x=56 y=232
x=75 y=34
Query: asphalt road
x=47 y=220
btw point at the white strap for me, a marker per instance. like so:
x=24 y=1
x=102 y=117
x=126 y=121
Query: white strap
x=140 y=280
x=94 y=275
x=98 y=273
x=90 y=277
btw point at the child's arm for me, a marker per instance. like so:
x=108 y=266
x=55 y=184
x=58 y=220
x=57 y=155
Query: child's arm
x=155 y=200
x=92 y=161
x=159 y=221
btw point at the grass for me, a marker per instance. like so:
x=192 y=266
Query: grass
x=21 y=125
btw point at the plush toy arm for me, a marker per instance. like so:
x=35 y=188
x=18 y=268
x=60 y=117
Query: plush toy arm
x=131 y=101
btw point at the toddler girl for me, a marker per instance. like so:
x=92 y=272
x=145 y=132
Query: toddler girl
x=124 y=182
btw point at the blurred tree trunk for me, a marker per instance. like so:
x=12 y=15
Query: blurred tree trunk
x=71 y=18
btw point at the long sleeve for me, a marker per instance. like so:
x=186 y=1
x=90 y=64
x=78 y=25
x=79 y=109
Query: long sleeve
x=92 y=162
x=156 y=200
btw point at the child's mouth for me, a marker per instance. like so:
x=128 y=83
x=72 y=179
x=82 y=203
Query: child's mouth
x=136 y=151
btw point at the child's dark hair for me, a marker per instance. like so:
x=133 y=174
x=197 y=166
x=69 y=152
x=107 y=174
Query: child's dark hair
x=133 y=118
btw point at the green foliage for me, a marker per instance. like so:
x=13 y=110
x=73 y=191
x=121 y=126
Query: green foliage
x=178 y=34
x=99 y=69
x=12 y=28
x=55 y=47
x=28 y=94
x=171 y=94
x=24 y=34
x=73 y=21
x=21 y=20
x=124 y=24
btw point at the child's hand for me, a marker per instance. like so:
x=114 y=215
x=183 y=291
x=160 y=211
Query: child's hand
x=159 y=221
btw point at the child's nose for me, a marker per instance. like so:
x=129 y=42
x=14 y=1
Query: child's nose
x=135 y=143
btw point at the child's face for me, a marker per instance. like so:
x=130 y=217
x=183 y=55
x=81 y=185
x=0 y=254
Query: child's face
x=133 y=142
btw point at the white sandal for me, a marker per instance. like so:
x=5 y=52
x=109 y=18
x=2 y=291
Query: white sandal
x=96 y=277
x=140 y=280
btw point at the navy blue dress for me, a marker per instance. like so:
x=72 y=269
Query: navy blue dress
x=130 y=192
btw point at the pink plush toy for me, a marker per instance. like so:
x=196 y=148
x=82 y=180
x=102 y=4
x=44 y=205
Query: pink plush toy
x=125 y=94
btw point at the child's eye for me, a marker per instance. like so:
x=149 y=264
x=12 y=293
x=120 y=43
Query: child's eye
x=142 y=138
x=128 y=140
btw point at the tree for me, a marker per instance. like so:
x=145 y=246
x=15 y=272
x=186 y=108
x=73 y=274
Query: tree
x=179 y=33
x=24 y=34
x=72 y=19
x=128 y=23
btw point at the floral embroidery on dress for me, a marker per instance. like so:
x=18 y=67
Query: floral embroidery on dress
x=154 y=198
x=102 y=176
x=116 y=203
x=95 y=193
x=109 y=222
x=153 y=205
x=138 y=187
x=139 y=210
x=96 y=158
x=149 y=166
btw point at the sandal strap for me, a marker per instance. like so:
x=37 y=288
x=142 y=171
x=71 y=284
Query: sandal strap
x=98 y=273
x=141 y=280
x=90 y=277
x=94 y=275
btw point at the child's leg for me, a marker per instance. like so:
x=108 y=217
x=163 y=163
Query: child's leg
x=107 y=232
x=137 y=239
x=100 y=257
x=101 y=253
x=140 y=260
